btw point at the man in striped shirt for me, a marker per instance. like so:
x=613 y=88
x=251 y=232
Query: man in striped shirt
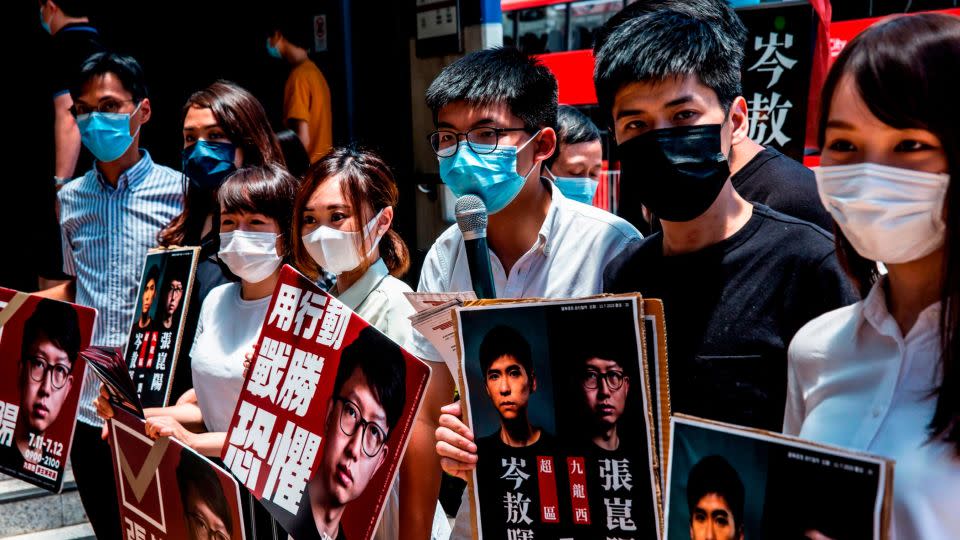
x=109 y=218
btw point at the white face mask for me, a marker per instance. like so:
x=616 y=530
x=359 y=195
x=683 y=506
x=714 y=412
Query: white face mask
x=252 y=256
x=336 y=251
x=889 y=214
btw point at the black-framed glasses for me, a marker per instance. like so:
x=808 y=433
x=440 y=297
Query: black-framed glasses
x=593 y=379
x=482 y=140
x=106 y=106
x=373 y=437
x=205 y=530
x=38 y=370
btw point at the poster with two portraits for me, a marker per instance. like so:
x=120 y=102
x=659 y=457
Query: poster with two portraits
x=569 y=403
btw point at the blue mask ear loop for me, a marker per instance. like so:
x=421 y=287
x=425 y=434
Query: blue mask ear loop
x=140 y=125
x=524 y=145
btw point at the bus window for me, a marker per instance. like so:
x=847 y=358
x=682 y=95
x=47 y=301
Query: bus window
x=509 y=28
x=586 y=17
x=542 y=29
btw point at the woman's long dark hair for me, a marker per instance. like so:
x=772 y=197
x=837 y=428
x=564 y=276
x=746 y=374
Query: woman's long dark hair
x=245 y=124
x=907 y=70
x=365 y=181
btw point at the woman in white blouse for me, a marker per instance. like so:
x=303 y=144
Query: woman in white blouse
x=883 y=375
x=344 y=213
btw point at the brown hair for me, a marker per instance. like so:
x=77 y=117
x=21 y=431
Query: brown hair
x=906 y=71
x=269 y=190
x=365 y=181
x=245 y=124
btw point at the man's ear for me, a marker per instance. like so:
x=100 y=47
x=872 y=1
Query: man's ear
x=546 y=144
x=68 y=383
x=533 y=387
x=383 y=457
x=739 y=118
x=145 y=111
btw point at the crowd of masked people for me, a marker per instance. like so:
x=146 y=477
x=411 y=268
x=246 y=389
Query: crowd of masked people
x=823 y=304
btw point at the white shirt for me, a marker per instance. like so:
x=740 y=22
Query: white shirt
x=228 y=328
x=573 y=247
x=854 y=381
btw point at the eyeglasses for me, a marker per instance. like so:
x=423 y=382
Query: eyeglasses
x=205 y=530
x=482 y=140
x=593 y=379
x=373 y=436
x=105 y=106
x=176 y=289
x=58 y=372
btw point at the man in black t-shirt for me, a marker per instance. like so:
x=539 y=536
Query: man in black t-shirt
x=74 y=40
x=737 y=280
x=760 y=175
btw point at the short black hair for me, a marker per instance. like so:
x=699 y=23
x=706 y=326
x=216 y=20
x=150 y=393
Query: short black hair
x=55 y=321
x=293 y=22
x=154 y=274
x=573 y=127
x=123 y=67
x=499 y=75
x=715 y=475
x=664 y=44
x=719 y=12
x=382 y=364
x=501 y=341
x=193 y=473
x=72 y=8
x=265 y=189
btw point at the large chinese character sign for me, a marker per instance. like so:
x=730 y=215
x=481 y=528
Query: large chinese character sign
x=41 y=372
x=557 y=396
x=157 y=327
x=732 y=482
x=166 y=490
x=324 y=415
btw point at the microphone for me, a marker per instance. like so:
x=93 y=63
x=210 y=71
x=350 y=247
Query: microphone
x=472 y=220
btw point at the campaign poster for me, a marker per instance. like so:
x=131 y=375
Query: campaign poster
x=324 y=415
x=557 y=396
x=41 y=372
x=167 y=490
x=157 y=326
x=732 y=482
x=655 y=341
x=108 y=365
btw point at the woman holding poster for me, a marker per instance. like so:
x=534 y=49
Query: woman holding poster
x=344 y=214
x=255 y=208
x=883 y=375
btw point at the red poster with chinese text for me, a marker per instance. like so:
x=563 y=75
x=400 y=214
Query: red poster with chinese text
x=41 y=372
x=324 y=415
x=166 y=490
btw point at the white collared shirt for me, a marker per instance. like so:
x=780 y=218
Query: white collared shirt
x=377 y=297
x=855 y=381
x=573 y=247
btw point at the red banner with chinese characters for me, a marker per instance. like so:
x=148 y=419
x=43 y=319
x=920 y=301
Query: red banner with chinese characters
x=166 y=490
x=41 y=372
x=324 y=415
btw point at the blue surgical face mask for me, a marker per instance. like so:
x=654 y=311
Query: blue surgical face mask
x=493 y=177
x=207 y=163
x=107 y=135
x=44 y=23
x=578 y=189
x=274 y=52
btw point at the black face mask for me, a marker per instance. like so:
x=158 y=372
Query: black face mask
x=675 y=172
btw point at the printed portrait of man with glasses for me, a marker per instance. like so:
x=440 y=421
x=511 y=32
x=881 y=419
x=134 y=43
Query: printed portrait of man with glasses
x=51 y=341
x=205 y=505
x=603 y=383
x=369 y=393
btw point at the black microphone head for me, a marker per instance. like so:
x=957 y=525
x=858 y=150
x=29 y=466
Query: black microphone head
x=471 y=216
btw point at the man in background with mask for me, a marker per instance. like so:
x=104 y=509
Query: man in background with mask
x=737 y=280
x=109 y=218
x=496 y=111
x=576 y=165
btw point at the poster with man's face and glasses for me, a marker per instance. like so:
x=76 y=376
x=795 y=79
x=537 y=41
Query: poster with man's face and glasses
x=732 y=483
x=324 y=415
x=157 y=327
x=41 y=372
x=166 y=490
x=557 y=395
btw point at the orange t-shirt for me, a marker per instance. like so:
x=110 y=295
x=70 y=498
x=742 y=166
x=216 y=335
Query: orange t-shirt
x=306 y=97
